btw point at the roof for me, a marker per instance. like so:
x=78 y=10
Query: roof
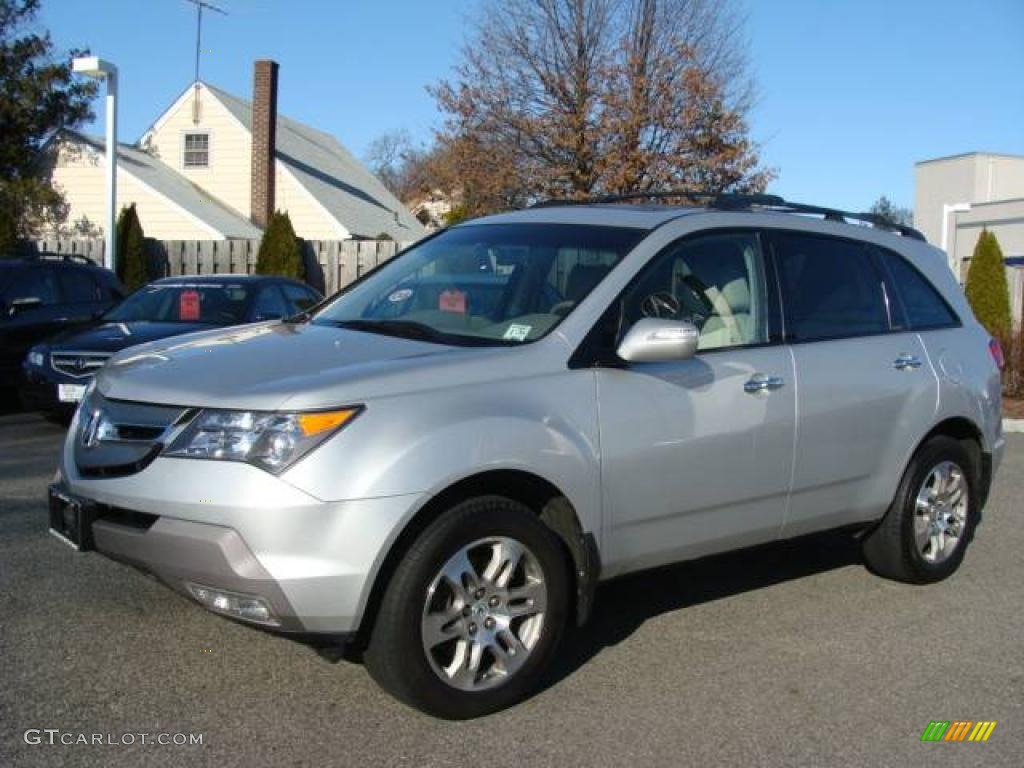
x=174 y=187
x=338 y=181
x=975 y=153
x=649 y=217
x=596 y=214
x=224 y=277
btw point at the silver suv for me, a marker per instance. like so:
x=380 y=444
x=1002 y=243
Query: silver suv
x=439 y=464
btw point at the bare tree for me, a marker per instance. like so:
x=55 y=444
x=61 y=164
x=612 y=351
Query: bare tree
x=577 y=97
x=403 y=167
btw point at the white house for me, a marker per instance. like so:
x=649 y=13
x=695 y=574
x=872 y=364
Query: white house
x=215 y=166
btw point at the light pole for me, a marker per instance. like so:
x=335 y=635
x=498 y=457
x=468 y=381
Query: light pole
x=93 y=66
x=947 y=209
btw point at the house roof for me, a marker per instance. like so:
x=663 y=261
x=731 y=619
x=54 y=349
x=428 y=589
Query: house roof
x=337 y=180
x=171 y=185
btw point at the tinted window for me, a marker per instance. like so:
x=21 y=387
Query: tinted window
x=714 y=281
x=830 y=288
x=924 y=306
x=269 y=304
x=39 y=283
x=78 y=286
x=299 y=298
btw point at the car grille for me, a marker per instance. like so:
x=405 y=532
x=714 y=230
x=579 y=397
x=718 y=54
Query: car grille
x=81 y=365
x=117 y=438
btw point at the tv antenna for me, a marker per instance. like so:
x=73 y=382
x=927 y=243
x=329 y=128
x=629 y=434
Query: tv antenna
x=200 y=5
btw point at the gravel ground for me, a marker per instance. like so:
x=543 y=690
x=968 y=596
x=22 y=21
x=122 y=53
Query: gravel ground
x=792 y=655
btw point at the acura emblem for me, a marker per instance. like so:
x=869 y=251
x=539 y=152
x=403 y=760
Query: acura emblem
x=80 y=363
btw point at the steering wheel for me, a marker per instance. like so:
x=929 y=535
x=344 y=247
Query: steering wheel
x=661 y=304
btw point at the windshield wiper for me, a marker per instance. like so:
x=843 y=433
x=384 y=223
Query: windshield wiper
x=406 y=329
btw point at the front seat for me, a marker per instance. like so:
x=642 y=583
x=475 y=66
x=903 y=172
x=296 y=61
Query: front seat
x=731 y=323
x=582 y=280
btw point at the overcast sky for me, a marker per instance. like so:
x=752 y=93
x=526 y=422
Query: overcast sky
x=851 y=94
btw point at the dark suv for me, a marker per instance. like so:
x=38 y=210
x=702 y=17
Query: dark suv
x=43 y=294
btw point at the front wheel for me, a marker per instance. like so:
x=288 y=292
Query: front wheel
x=924 y=535
x=474 y=612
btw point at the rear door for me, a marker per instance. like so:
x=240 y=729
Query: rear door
x=866 y=393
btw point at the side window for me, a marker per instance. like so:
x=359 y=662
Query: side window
x=78 y=286
x=830 y=288
x=714 y=281
x=269 y=304
x=38 y=283
x=298 y=297
x=924 y=305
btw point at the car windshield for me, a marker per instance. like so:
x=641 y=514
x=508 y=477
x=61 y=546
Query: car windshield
x=212 y=303
x=485 y=284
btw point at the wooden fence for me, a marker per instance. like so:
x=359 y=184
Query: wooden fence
x=330 y=264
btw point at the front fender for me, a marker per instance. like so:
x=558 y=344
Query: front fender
x=422 y=443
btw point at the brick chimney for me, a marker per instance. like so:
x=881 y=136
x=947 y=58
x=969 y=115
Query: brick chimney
x=264 y=140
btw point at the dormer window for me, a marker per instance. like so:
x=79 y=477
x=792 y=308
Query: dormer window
x=196 y=150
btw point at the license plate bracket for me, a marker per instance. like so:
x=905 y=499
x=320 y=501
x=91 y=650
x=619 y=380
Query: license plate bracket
x=71 y=520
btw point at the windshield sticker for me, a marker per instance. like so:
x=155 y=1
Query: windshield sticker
x=399 y=296
x=516 y=332
x=188 y=306
x=453 y=301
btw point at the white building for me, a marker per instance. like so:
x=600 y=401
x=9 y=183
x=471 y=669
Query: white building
x=956 y=197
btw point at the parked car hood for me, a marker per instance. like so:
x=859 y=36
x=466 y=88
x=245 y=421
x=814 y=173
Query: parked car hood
x=284 y=366
x=113 y=337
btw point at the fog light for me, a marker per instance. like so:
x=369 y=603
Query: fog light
x=248 y=607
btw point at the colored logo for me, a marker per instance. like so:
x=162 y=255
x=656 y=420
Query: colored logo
x=958 y=730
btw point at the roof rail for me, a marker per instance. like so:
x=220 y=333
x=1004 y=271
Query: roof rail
x=49 y=256
x=738 y=201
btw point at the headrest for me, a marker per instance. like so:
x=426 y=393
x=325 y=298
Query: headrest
x=737 y=295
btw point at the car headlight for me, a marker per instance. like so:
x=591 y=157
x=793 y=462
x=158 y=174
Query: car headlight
x=36 y=358
x=272 y=441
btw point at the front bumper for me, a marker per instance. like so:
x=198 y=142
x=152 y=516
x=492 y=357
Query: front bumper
x=233 y=527
x=38 y=390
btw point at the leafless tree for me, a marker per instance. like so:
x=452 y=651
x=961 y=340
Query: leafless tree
x=579 y=97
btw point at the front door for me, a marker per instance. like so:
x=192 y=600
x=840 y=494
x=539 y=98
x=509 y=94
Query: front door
x=697 y=455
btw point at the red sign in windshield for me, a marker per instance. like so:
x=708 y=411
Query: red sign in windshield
x=188 y=306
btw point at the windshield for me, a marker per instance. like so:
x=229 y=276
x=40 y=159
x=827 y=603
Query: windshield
x=484 y=284
x=212 y=303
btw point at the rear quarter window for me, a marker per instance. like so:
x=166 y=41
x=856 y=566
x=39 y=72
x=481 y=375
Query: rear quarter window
x=923 y=304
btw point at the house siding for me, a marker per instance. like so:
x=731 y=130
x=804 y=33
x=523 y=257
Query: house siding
x=80 y=173
x=227 y=177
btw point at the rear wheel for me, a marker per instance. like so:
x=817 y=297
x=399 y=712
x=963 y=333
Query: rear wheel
x=474 y=612
x=924 y=535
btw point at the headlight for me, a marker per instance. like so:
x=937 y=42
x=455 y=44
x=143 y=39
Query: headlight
x=36 y=358
x=273 y=441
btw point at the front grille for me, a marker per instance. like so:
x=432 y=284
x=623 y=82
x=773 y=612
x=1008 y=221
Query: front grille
x=80 y=365
x=117 y=438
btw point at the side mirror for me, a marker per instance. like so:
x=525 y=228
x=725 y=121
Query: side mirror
x=24 y=304
x=654 y=340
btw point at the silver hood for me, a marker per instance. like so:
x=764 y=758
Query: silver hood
x=279 y=366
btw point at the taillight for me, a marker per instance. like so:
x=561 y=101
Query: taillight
x=997 y=353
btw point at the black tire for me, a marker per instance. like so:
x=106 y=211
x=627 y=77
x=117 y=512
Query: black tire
x=890 y=549
x=395 y=656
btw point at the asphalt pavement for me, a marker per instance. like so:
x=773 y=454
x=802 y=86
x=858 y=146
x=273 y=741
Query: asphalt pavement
x=791 y=655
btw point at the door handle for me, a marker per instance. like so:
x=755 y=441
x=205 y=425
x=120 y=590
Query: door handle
x=761 y=383
x=906 y=363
